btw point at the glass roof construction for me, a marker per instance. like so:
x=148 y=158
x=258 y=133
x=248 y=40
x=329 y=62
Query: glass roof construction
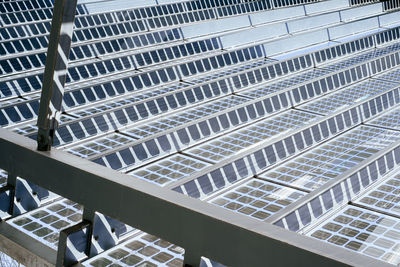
x=286 y=113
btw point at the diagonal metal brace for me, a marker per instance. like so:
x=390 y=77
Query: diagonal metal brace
x=55 y=71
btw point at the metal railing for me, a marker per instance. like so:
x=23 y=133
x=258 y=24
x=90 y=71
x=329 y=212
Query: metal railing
x=200 y=228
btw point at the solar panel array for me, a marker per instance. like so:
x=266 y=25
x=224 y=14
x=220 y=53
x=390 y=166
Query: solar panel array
x=247 y=105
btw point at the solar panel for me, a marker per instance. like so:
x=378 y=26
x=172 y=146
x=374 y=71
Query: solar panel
x=229 y=144
x=99 y=145
x=327 y=161
x=257 y=198
x=44 y=224
x=384 y=197
x=145 y=249
x=364 y=231
x=170 y=169
x=177 y=119
x=348 y=96
x=388 y=120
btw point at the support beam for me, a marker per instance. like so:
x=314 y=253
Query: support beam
x=55 y=72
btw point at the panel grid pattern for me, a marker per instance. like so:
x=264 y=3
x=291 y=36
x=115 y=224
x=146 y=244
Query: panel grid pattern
x=389 y=120
x=170 y=169
x=384 y=197
x=144 y=250
x=229 y=144
x=99 y=145
x=257 y=198
x=157 y=126
x=348 y=96
x=364 y=231
x=45 y=224
x=327 y=161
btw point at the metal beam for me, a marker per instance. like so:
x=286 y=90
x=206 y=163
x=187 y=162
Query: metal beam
x=55 y=71
x=226 y=237
x=24 y=249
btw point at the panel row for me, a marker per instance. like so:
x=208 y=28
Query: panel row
x=344 y=190
x=81 y=51
x=253 y=161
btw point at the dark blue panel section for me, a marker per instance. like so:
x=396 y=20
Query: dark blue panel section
x=164 y=143
x=191 y=189
x=114 y=162
x=316 y=207
x=355 y=184
x=127 y=156
x=292 y=222
x=152 y=147
x=140 y=152
x=218 y=178
x=205 y=184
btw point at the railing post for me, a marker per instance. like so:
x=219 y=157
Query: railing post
x=55 y=71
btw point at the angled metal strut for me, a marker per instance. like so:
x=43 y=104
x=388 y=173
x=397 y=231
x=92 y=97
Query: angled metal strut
x=55 y=72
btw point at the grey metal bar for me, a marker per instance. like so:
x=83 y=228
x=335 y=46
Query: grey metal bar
x=55 y=71
x=226 y=237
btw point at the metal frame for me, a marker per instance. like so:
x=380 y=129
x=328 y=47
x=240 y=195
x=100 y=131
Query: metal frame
x=199 y=227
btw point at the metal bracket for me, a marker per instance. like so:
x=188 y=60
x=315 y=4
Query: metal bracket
x=95 y=234
x=74 y=244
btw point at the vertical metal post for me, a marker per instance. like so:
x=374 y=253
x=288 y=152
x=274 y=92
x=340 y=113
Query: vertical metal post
x=55 y=72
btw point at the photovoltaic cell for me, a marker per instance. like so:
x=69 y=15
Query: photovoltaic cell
x=364 y=231
x=348 y=96
x=393 y=75
x=31 y=128
x=180 y=118
x=99 y=145
x=384 y=197
x=257 y=198
x=361 y=58
x=173 y=168
x=229 y=144
x=44 y=224
x=284 y=83
x=327 y=161
x=144 y=250
x=390 y=119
